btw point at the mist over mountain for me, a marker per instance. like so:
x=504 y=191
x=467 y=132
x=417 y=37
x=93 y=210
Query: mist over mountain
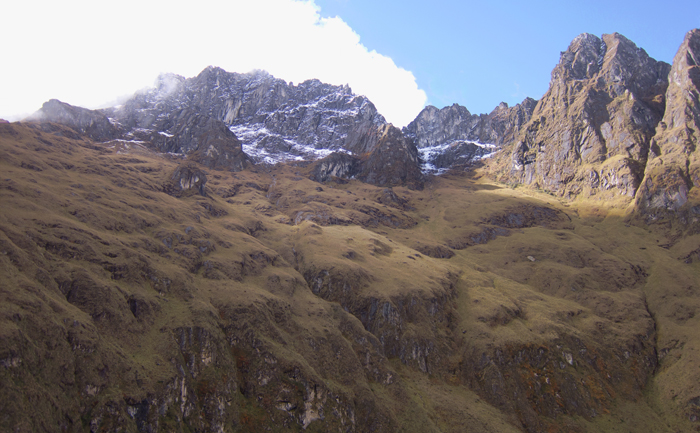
x=233 y=252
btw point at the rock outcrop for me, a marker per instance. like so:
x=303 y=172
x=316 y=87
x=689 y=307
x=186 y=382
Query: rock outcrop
x=215 y=145
x=91 y=123
x=590 y=133
x=672 y=175
x=275 y=120
x=393 y=161
x=187 y=179
x=336 y=165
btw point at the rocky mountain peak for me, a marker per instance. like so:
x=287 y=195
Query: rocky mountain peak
x=627 y=67
x=275 y=120
x=590 y=134
x=452 y=136
x=616 y=63
x=501 y=107
x=582 y=60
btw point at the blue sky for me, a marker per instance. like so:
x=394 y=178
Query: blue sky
x=479 y=53
x=402 y=55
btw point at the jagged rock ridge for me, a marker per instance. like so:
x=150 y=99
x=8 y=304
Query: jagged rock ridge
x=91 y=123
x=228 y=120
x=590 y=133
x=452 y=136
x=276 y=121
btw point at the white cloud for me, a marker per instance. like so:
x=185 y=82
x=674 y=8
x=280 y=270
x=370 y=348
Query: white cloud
x=90 y=52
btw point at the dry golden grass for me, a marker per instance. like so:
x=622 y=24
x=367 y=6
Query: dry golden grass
x=95 y=254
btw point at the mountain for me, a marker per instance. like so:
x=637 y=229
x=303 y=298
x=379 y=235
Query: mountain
x=231 y=252
x=590 y=133
x=204 y=117
x=231 y=120
x=276 y=121
x=452 y=136
x=90 y=123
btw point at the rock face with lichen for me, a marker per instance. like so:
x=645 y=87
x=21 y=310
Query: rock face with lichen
x=590 y=133
x=672 y=175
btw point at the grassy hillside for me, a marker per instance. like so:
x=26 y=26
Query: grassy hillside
x=282 y=304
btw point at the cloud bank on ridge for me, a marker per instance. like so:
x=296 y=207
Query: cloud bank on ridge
x=88 y=53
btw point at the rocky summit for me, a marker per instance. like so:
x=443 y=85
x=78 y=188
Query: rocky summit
x=234 y=253
x=275 y=120
x=590 y=133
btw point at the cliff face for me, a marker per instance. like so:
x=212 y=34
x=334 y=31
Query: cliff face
x=433 y=127
x=590 y=133
x=90 y=123
x=275 y=121
x=393 y=161
x=672 y=175
x=452 y=136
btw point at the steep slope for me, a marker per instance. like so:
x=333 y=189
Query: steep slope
x=452 y=136
x=262 y=300
x=125 y=308
x=672 y=177
x=590 y=134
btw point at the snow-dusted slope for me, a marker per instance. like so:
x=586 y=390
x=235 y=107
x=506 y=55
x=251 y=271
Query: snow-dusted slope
x=452 y=136
x=275 y=120
x=228 y=120
x=439 y=158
